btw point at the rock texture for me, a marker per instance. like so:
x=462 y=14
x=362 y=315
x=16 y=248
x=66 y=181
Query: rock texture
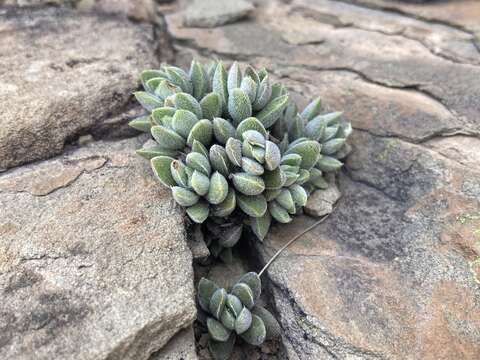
x=211 y=13
x=94 y=260
x=180 y=347
x=64 y=74
x=394 y=272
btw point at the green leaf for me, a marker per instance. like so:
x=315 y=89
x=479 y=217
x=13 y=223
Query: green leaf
x=272 y=156
x=219 y=160
x=299 y=195
x=248 y=184
x=200 y=183
x=258 y=154
x=252 y=167
x=291 y=178
x=179 y=78
x=315 y=129
x=159 y=113
x=312 y=109
x=309 y=151
x=198 y=162
x=256 y=334
x=250 y=71
x=183 y=121
x=303 y=177
x=234 y=77
x=141 y=123
x=217 y=302
x=254 y=206
x=330 y=132
x=233 y=147
x=150 y=74
x=249 y=86
x=244 y=293
x=278 y=90
x=239 y=106
x=199 y=80
x=285 y=200
x=328 y=164
x=211 y=106
x=231 y=236
x=184 y=197
x=148 y=101
x=272 y=326
x=234 y=304
x=272 y=194
x=188 y=102
x=250 y=123
x=166 y=89
x=264 y=93
x=198 y=212
x=206 y=288
x=153 y=151
x=167 y=139
x=223 y=130
x=272 y=111
x=222 y=350
x=228 y=205
x=219 y=84
x=179 y=174
x=216 y=330
x=261 y=225
x=161 y=169
x=227 y=319
x=253 y=281
x=292 y=160
x=243 y=321
x=218 y=189
x=332 y=146
x=274 y=179
x=198 y=147
x=297 y=129
x=254 y=138
x=201 y=131
x=278 y=212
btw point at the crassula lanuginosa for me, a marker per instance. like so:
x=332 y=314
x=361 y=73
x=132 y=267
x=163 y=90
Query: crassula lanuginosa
x=235 y=151
x=230 y=144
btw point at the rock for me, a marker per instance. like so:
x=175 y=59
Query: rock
x=321 y=202
x=71 y=81
x=212 y=13
x=94 y=259
x=394 y=271
x=392 y=266
x=180 y=347
x=196 y=242
x=138 y=10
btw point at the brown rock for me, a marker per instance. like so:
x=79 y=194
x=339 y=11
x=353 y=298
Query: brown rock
x=94 y=262
x=64 y=73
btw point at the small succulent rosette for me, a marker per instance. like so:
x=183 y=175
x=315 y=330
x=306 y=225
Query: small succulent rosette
x=235 y=314
x=233 y=148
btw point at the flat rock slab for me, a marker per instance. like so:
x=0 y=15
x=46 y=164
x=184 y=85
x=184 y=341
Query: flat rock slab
x=393 y=273
x=212 y=13
x=94 y=262
x=64 y=73
x=180 y=347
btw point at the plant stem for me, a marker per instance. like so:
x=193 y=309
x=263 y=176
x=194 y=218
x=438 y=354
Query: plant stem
x=296 y=237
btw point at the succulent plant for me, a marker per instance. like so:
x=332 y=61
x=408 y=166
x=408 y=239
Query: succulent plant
x=233 y=148
x=235 y=313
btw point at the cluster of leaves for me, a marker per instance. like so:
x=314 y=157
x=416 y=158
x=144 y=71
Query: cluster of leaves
x=231 y=145
x=235 y=313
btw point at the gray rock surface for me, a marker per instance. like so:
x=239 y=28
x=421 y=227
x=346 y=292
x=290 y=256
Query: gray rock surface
x=180 y=347
x=64 y=73
x=212 y=13
x=394 y=272
x=94 y=260
x=321 y=202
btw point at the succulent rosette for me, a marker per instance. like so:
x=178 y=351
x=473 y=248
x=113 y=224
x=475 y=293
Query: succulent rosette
x=233 y=148
x=235 y=313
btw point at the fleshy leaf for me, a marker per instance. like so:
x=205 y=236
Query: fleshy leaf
x=198 y=147
x=211 y=106
x=272 y=156
x=332 y=146
x=309 y=151
x=226 y=207
x=184 y=197
x=222 y=130
x=161 y=168
x=219 y=84
x=183 y=121
x=243 y=321
x=233 y=148
x=231 y=236
x=299 y=195
x=222 y=350
x=167 y=138
x=227 y=319
x=202 y=131
x=278 y=212
x=199 y=182
x=252 y=167
x=272 y=111
x=216 y=330
x=159 y=113
x=234 y=304
x=248 y=184
x=239 y=106
x=272 y=326
x=328 y=164
x=250 y=123
x=219 y=160
x=254 y=206
x=261 y=225
x=256 y=334
x=244 y=293
x=274 y=179
x=198 y=212
x=312 y=109
x=141 y=123
x=179 y=174
x=206 y=288
x=217 y=302
x=188 y=102
x=234 y=78
x=198 y=162
x=253 y=281
x=199 y=80
x=148 y=101
x=285 y=200
x=218 y=189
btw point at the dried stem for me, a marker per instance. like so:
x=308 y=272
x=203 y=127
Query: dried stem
x=296 y=237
